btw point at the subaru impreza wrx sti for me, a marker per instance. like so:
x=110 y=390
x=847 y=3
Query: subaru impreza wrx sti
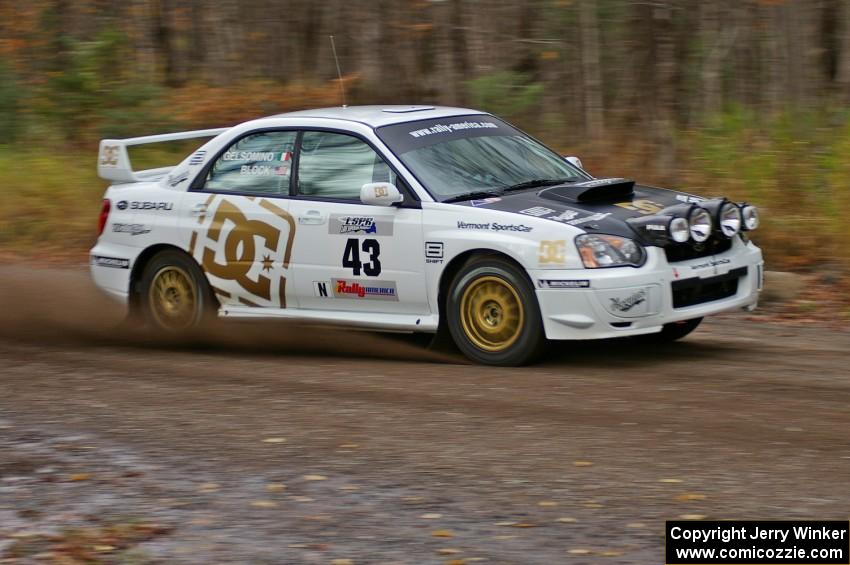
x=414 y=219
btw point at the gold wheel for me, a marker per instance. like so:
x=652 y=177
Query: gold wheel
x=491 y=313
x=173 y=298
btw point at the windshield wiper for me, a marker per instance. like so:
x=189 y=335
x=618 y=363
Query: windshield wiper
x=472 y=195
x=535 y=183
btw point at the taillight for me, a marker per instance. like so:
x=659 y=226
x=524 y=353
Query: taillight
x=104 y=215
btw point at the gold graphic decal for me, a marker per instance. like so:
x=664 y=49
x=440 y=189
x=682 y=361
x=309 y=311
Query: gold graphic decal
x=109 y=156
x=245 y=247
x=552 y=252
x=642 y=206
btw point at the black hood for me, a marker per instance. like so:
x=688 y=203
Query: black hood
x=597 y=206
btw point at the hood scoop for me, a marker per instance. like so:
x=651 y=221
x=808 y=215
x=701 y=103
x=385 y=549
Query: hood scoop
x=597 y=190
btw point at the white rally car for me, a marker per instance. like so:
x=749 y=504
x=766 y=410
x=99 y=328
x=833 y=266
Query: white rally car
x=414 y=219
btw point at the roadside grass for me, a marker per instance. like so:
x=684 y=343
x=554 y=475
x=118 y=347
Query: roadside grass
x=50 y=200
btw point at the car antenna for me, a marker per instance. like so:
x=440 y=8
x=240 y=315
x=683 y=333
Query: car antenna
x=338 y=72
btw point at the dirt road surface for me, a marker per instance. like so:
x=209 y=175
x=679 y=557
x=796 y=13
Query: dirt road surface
x=280 y=444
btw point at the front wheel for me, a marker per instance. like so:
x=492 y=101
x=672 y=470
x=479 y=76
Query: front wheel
x=175 y=295
x=493 y=315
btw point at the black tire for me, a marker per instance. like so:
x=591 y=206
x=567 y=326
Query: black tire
x=493 y=315
x=675 y=331
x=167 y=282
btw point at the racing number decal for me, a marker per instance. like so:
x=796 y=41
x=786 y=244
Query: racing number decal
x=351 y=257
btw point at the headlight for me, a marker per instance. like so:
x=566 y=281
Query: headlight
x=699 y=221
x=680 y=231
x=751 y=217
x=599 y=251
x=730 y=219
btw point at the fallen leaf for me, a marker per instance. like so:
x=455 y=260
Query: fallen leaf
x=264 y=504
x=689 y=496
x=349 y=487
x=611 y=553
x=448 y=551
x=579 y=551
x=80 y=476
x=692 y=516
x=209 y=487
x=583 y=463
x=547 y=503
x=505 y=523
x=431 y=516
x=104 y=548
x=442 y=534
x=671 y=481
x=635 y=525
x=524 y=525
x=349 y=446
x=456 y=562
x=275 y=440
x=413 y=499
x=342 y=562
x=315 y=478
x=567 y=520
x=275 y=487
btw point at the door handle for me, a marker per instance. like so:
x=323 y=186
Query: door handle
x=312 y=217
x=199 y=209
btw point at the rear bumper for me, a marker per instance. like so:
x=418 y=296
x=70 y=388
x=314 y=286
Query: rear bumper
x=604 y=303
x=110 y=267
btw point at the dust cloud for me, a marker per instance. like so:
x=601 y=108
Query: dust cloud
x=63 y=307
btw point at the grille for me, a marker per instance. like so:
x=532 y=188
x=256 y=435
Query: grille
x=684 y=251
x=690 y=292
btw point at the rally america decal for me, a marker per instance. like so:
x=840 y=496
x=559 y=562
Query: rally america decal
x=369 y=290
x=343 y=224
x=247 y=242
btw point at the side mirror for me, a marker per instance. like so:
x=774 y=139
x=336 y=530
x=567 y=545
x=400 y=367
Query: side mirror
x=380 y=194
x=574 y=161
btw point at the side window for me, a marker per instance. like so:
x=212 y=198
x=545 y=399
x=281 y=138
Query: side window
x=335 y=165
x=260 y=163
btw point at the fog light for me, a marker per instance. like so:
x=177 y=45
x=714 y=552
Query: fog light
x=730 y=219
x=751 y=217
x=679 y=230
x=699 y=222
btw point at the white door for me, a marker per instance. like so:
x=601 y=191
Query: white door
x=350 y=256
x=238 y=225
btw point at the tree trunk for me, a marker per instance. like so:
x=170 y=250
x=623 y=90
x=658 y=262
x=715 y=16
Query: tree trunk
x=594 y=122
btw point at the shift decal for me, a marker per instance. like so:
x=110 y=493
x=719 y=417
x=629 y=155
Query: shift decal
x=245 y=247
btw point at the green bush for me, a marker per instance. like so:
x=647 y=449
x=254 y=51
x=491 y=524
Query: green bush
x=505 y=93
x=9 y=105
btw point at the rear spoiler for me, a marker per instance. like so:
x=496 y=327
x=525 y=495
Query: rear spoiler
x=113 y=160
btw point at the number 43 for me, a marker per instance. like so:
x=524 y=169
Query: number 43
x=351 y=257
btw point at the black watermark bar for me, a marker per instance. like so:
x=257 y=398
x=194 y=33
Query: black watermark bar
x=746 y=542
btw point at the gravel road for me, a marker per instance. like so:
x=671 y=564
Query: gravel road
x=280 y=444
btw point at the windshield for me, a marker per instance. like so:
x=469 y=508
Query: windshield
x=461 y=155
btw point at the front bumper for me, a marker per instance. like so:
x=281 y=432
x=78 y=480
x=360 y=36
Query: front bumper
x=615 y=302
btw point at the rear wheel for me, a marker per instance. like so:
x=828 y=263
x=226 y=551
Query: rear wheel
x=492 y=314
x=175 y=295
